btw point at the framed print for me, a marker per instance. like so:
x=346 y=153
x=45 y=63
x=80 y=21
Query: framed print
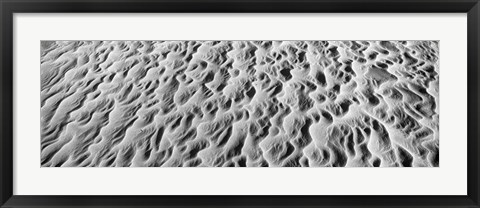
x=268 y=103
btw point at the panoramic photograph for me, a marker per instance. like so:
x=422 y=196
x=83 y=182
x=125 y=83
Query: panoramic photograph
x=239 y=103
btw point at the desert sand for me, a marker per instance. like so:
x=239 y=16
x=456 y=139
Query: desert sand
x=239 y=103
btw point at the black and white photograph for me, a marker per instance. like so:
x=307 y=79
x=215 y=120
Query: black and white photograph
x=239 y=103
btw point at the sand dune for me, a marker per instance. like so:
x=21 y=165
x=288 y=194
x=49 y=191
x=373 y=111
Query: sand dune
x=239 y=104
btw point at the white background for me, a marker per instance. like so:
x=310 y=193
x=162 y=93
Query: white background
x=450 y=178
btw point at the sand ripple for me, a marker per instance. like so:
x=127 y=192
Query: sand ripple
x=239 y=103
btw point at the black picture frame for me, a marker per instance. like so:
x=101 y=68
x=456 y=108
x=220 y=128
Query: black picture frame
x=9 y=7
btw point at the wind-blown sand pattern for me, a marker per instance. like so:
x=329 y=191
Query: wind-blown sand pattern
x=239 y=104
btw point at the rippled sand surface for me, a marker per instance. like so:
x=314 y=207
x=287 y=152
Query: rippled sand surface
x=239 y=103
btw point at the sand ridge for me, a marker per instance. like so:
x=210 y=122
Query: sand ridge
x=239 y=103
